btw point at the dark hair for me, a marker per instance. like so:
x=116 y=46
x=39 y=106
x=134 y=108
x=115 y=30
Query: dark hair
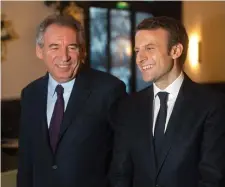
x=176 y=30
x=61 y=20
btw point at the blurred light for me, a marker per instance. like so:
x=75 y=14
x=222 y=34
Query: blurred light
x=194 y=50
x=122 y=5
x=128 y=50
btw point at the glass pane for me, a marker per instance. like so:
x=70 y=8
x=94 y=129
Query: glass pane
x=140 y=84
x=98 y=38
x=142 y=15
x=120 y=45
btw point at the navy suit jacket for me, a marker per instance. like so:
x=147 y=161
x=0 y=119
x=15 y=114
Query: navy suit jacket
x=85 y=144
x=193 y=152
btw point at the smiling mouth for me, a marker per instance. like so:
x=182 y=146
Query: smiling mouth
x=147 y=67
x=63 y=65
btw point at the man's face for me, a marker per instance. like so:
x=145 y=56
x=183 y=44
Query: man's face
x=152 y=56
x=60 y=52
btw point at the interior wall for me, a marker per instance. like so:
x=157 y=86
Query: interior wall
x=207 y=19
x=21 y=65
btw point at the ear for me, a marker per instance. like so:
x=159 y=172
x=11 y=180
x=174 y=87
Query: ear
x=176 y=51
x=39 y=52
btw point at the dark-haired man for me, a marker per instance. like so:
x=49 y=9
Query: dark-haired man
x=172 y=134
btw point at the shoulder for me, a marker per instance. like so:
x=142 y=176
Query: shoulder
x=35 y=85
x=212 y=96
x=136 y=100
x=141 y=95
x=102 y=80
x=204 y=95
x=103 y=77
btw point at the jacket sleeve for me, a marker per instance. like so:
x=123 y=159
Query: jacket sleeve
x=212 y=164
x=121 y=169
x=24 y=175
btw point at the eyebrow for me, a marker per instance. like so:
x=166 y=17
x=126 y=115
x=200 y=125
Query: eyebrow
x=56 y=45
x=147 y=45
x=75 y=45
x=150 y=44
x=53 y=45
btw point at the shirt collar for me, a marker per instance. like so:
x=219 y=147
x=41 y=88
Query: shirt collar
x=173 y=88
x=52 y=83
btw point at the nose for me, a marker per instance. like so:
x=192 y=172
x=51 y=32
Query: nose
x=141 y=57
x=65 y=55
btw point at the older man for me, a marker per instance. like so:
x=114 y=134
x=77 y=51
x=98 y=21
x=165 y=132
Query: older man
x=65 y=138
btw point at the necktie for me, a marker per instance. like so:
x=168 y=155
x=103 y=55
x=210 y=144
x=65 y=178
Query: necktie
x=57 y=117
x=160 y=125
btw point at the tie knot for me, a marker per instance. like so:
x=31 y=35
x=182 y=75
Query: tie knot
x=163 y=97
x=59 y=90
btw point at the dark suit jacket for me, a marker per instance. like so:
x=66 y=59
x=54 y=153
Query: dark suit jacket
x=194 y=146
x=83 y=153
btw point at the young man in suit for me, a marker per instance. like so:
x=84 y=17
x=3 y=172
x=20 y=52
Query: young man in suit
x=172 y=134
x=65 y=138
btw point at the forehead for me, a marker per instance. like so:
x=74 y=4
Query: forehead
x=57 y=32
x=154 y=36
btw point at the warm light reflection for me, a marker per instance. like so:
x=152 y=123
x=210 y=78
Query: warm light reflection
x=194 y=50
x=128 y=49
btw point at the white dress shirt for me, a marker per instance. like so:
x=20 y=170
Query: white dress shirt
x=52 y=96
x=173 y=90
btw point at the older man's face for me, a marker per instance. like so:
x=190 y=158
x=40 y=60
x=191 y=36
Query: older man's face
x=61 y=52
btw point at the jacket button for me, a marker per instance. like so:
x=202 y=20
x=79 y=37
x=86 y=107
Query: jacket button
x=54 y=167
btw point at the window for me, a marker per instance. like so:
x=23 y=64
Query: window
x=111 y=37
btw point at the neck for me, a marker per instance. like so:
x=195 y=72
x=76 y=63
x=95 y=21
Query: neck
x=167 y=79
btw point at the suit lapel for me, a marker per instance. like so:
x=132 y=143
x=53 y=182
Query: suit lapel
x=41 y=104
x=147 y=117
x=175 y=122
x=80 y=92
x=151 y=112
x=79 y=95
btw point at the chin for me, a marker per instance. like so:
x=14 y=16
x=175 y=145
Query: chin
x=64 y=78
x=147 y=78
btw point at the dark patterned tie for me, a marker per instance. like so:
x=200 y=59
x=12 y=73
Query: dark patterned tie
x=57 y=117
x=160 y=125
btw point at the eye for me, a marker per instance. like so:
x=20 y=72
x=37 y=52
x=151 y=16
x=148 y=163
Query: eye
x=149 y=48
x=136 y=51
x=73 y=48
x=54 y=48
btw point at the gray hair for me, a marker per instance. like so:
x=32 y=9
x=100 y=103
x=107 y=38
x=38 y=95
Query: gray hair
x=61 y=20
